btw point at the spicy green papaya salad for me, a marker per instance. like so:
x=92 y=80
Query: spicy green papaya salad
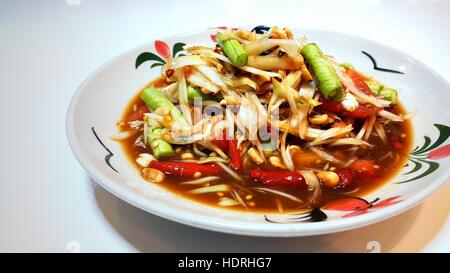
x=265 y=121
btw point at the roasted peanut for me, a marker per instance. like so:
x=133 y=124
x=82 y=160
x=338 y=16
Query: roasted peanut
x=277 y=162
x=329 y=179
x=187 y=156
x=319 y=119
x=255 y=156
x=153 y=175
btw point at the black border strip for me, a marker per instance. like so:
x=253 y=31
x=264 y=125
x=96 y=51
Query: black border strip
x=376 y=67
x=109 y=155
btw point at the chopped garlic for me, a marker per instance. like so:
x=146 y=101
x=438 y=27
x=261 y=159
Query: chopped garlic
x=349 y=102
x=144 y=160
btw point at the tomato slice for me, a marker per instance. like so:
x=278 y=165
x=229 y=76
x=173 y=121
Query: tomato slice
x=137 y=115
x=346 y=179
x=363 y=111
x=358 y=81
x=394 y=139
x=331 y=106
x=364 y=168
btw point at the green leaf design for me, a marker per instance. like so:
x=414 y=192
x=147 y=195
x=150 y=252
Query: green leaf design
x=424 y=146
x=417 y=166
x=177 y=48
x=432 y=166
x=444 y=134
x=418 y=157
x=148 y=56
x=156 y=64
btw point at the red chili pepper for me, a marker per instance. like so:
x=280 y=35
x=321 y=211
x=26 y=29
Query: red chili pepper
x=278 y=178
x=185 y=168
x=137 y=115
x=364 y=169
x=234 y=154
x=362 y=111
x=221 y=141
x=346 y=179
x=358 y=81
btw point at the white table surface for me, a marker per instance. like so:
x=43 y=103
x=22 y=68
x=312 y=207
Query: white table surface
x=47 y=48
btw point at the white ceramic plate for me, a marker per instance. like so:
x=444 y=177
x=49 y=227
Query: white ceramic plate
x=100 y=100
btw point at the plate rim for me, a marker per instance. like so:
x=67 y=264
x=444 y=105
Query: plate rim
x=233 y=226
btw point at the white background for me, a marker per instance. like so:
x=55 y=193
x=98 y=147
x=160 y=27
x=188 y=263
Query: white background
x=47 y=48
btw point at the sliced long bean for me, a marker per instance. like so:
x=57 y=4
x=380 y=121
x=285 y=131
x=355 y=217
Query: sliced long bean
x=324 y=73
x=389 y=94
x=155 y=99
x=374 y=86
x=159 y=147
x=194 y=93
x=233 y=50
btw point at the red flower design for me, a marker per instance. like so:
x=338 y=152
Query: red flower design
x=162 y=49
x=440 y=152
x=359 y=206
x=347 y=204
x=213 y=36
x=387 y=202
x=355 y=213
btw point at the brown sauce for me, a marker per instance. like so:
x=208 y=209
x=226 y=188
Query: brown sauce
x=388 y=160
